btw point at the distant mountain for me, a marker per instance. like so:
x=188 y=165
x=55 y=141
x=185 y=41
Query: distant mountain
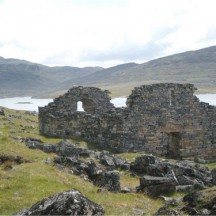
x=108 y=75
x=197 y=67
x=21 y=78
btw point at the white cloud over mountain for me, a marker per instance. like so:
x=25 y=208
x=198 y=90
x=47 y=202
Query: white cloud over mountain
x=103 y=32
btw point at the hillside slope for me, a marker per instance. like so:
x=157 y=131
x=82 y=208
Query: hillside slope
x=23 y=78
x=197 y=67
x=19 y=77
x=34 y=176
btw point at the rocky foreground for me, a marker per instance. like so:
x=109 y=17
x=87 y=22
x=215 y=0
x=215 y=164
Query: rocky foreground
x=158 y=178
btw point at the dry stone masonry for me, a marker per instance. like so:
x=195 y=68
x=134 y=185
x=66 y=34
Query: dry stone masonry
x=163 y=119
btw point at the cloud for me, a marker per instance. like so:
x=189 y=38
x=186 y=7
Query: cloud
x=95 y=32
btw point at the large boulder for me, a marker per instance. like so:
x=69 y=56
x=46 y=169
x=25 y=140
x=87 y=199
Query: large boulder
x=182 y=172
x=213 y=173
x=63 y=148
x=109 y=180
x=161 y=189
x=166 y=210
x=157 y=186
x=112 y=161
x=152 y=180
x=65 y=203
x=142 y=163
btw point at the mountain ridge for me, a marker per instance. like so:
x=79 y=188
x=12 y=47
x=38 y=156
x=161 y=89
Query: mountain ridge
x=197 y=67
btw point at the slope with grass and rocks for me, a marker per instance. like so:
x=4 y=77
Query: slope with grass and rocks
x=36 y=178
x=43 y=169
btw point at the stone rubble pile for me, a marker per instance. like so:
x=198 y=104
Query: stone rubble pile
x=158 y=178
x=97 y=167
x=169 y=177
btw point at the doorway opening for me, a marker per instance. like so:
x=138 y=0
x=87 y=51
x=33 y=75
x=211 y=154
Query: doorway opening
x=173 y=150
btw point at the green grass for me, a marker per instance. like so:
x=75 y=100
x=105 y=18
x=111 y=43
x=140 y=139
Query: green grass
x=210 y=165
x=130 y=157
x=126 y=180
x=27 y=183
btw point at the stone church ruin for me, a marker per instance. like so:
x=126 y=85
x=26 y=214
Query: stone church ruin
x=163 y=119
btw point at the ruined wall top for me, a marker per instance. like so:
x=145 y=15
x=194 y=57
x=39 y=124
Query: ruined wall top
x=163 y=95
x=145 y=98
x=94 y=101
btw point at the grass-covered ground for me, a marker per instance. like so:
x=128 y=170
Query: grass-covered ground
x=25 y=184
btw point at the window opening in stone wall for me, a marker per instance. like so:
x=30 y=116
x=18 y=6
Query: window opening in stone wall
x=172 y=97
x=80 y=106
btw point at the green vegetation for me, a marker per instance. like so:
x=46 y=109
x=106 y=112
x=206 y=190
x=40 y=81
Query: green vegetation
x=211 y=165
x=207 y=196
x=130 y=157
x=25 y=184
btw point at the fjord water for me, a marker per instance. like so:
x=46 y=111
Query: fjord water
x=32 y=104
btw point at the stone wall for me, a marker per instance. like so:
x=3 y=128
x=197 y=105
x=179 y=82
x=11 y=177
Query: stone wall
x=163 y=119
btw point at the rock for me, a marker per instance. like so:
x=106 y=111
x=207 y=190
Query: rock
x=154 y=170
x=213 y=173
x=165 y=210
x=205 y=212
x=186 y=174
x=13 y=159
x=2 y=112
x=152 y=180
x=141 y=163
x=65 y=203
x=156 y=186
x=161 y=189
x=138 y=211
x=170 y=201
x=128 y=190
x=184 y=188
x=185 y=180
x=191 y=198
x=66 y=148
x=113 y=161
x=63 y=148
x=17 y=138
x=107 y=160
x=67 y=161
x=190 y=210
x=183 y=168
x=110 y=180
x=198 y=185
x=170 y=174
x=92 y=170
x=204 y=201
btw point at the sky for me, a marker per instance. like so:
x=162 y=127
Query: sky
x=103 y=33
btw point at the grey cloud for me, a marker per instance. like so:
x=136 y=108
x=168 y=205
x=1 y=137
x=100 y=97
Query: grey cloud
x=133 y=52
x=130 y=52
x=210 y=35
